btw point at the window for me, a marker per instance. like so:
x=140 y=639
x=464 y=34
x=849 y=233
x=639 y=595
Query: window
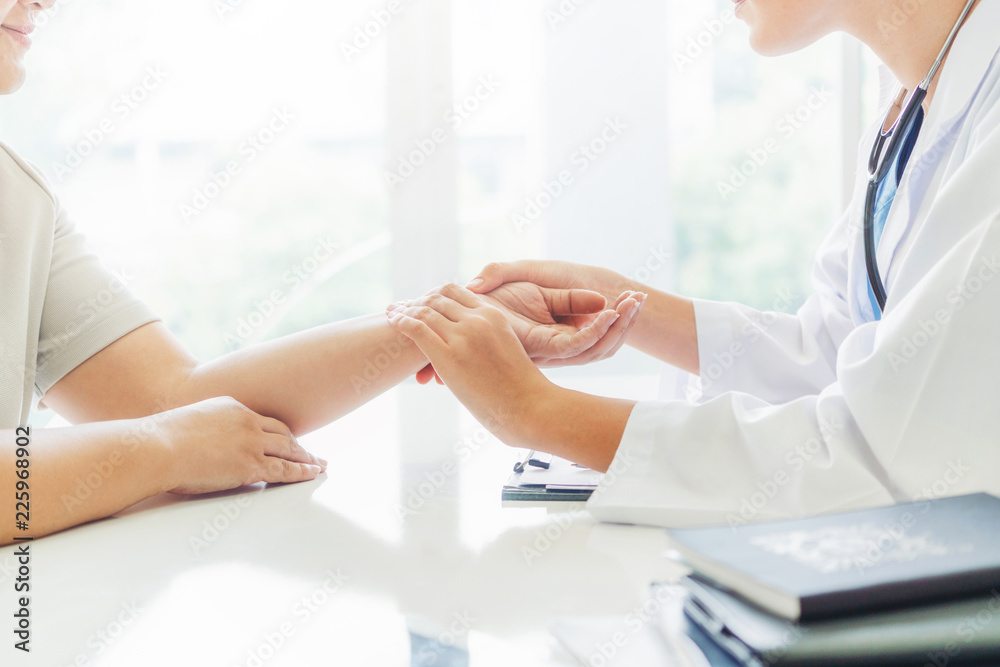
x=254 y=171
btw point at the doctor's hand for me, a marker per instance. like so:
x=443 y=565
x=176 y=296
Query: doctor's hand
x=556 y=327
x=553 y=274
x=475 y=351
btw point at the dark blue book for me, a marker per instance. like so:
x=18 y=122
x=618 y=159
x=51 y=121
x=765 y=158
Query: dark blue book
x=942 y=634
x=854 y=562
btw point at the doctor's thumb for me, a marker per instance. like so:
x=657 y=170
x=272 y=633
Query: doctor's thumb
x=490 y=278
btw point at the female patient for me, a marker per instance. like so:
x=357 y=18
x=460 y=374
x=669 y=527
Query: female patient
x=149 y=417
x=883 y=387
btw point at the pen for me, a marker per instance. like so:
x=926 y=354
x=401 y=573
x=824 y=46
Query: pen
x=533 y=459
x=523 y=463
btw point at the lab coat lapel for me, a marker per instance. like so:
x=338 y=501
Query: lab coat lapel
x=973 y=54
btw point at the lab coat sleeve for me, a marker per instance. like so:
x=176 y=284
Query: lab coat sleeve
x=774 y=355
x=911 y=415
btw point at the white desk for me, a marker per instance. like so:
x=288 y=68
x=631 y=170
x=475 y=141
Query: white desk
x=459 y=566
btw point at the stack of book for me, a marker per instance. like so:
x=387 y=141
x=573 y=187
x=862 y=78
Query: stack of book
x=912 y=584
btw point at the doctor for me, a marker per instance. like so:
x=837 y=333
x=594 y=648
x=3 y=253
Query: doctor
x=864 y=397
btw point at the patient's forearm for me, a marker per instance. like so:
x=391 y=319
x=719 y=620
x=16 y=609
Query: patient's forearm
x=311 y=378
x=75 y=475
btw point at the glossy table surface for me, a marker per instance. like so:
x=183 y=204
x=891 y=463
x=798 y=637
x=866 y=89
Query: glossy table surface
x=400 y=555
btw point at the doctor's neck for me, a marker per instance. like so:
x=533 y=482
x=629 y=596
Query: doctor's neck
x=906 y=35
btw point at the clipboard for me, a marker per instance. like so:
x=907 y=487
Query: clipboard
x=562 y=481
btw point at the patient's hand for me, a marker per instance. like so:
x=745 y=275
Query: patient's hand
x=557 y=327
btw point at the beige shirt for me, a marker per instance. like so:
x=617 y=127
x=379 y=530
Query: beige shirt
x=59 y=305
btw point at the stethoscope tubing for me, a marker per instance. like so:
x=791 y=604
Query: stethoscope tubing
x=879 y=169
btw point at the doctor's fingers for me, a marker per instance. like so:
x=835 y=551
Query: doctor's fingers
x=430 y=343
x=426 y=374
x=437 y=296
x=498 y=273
x=452 y=301
x=460 y=295
x=438 y=303
x=437 y=315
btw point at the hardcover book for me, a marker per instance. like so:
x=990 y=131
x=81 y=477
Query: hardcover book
x=854 y=562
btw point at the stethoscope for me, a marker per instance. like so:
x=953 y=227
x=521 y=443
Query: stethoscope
x=879 y=164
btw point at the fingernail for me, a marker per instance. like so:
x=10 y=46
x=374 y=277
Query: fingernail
x=477 y=282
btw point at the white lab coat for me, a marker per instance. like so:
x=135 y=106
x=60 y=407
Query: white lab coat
x=827 y=410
